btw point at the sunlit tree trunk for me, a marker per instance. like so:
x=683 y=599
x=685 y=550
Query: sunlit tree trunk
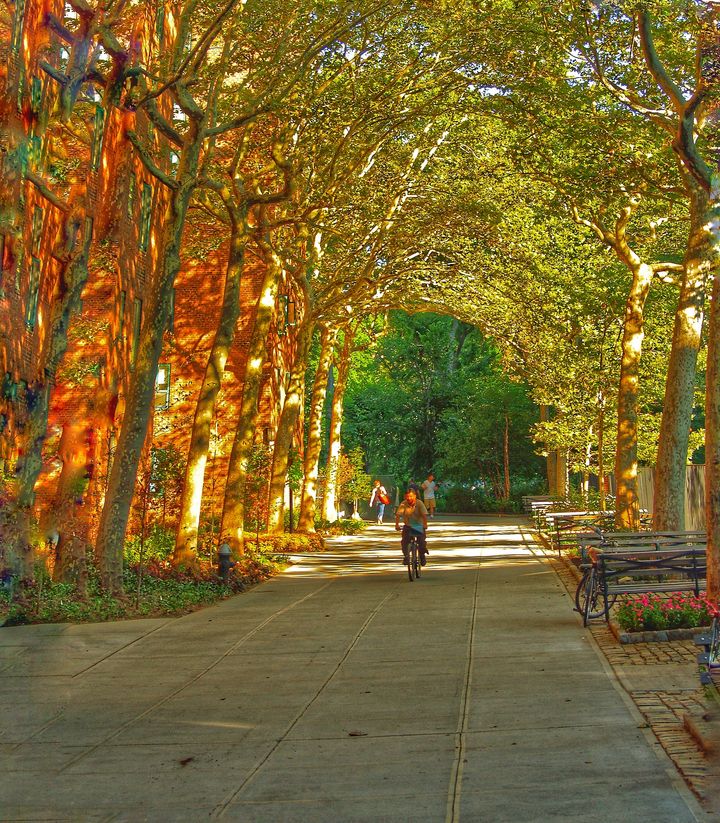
x=335 y=443
x=669 y=482
x=233 y=513
x=138 y=404
x=306 y=522
x=712 y=438
x=601 y=450
x=286 y=428
x=561 y=472
x=191 y=499
x=29 y=465
x=627 y=510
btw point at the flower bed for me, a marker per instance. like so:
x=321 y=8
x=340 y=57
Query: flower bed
x=652 y=612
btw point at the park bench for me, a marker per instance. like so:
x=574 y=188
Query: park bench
x=709 y=659
x=530 y=501
x=538 y=509
x=568 y=527
x=648 y=567
x=610 y=541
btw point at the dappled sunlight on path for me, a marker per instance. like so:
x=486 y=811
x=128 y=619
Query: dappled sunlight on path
x=453 y=544
x=338 y=691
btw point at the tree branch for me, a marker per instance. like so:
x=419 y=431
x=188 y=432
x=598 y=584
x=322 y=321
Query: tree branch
x=147 y=161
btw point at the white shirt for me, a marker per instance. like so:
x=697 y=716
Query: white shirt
x=428 y=488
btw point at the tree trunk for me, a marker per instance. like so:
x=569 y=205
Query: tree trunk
x=233 y=513
x=561 y=473
x=306 y=522
x=550 y=461
x=331 y=471
x=627 y=512
x=712 y=445
x=37 y=396
x=191 y=500
x=601 y=450
x=138 y=404
x=286 y=429
x=506 y=458
x=669 y=486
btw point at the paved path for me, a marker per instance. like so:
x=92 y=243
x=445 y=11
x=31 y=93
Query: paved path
x=337 y=692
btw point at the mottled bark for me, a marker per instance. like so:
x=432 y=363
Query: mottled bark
x=306 y=521
x=627 y=510
x=233 y=516
x=190 y=504
x=335 y=444
x=286 y=428
x=669 y=485
x=712 y=441
x=138 y=404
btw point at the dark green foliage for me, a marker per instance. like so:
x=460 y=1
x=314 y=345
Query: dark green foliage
x=162 y=591
x=431 y=396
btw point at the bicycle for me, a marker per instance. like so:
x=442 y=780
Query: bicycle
x=413 y=558
x=589 y=599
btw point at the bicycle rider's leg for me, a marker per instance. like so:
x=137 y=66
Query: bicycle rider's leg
x=422 y=546
x=404 y=542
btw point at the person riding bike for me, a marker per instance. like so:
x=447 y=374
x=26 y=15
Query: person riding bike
x=415 y=522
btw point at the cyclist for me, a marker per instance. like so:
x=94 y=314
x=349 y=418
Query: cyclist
x=415 y=522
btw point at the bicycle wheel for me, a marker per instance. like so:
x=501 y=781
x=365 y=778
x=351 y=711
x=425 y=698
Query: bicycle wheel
x=416 y=560
x=410 y=551
x=714 y=651
x=589 y=597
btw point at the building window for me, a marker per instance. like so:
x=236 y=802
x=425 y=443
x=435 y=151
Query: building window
x=32 y=303
x=71 y=16
x=121 y=316
x=36 y=95
x=2 y=265
x=37 y=225
x=162 y=387
x=17 y=26
x=132 y=194
x=137 y=324
x=160 y=23
x=21 y=89
x=145 y=215
x=96 y=150
x=171 y=313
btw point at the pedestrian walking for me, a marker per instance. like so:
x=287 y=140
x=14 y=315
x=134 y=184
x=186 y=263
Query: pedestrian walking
x=429 y=488
x=380 y=498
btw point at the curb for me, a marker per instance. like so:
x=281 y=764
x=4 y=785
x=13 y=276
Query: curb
x=662 y=636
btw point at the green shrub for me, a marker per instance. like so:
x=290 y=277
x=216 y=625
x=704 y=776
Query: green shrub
x=159 y=545
x=342 y=526
x=160 y=590
x=285 y=543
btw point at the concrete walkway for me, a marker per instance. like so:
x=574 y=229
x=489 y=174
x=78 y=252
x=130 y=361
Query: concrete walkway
x=338 y=691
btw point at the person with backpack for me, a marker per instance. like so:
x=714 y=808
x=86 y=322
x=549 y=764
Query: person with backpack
x=380 y=497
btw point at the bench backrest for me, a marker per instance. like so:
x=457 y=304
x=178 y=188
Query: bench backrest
x=653 y=560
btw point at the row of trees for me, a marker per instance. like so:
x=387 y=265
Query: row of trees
x=551 y=183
